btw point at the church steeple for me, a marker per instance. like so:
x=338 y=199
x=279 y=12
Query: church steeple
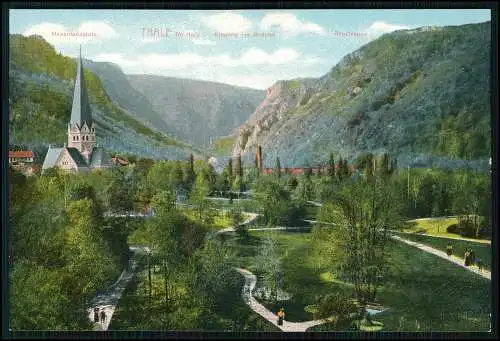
x=81 y=127
x=80 y=110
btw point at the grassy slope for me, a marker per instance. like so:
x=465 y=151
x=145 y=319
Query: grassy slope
x=224 y=145
x=419 y=286
x=482 y=251
x=436 y=228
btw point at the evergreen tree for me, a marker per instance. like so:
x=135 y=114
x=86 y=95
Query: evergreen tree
x=340 y=174
x=277 y=169
x=229 y=171
x=331 y=166
x=345 y=169
x=369 y=166
x=239 y=166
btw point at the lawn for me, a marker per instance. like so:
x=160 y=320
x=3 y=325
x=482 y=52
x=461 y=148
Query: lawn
x=434 y=227
x=482 y=251
x=423 y=292
x=221 y=220
x=303 y=273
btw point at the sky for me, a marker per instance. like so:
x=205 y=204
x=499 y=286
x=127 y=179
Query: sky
x=248 y=48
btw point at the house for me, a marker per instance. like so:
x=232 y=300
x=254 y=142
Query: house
x=21 y=156
x=81 y=153
x=120 y=162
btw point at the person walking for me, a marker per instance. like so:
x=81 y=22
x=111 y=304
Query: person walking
x=467 y=258
x=472 y=257
x=449 y=250
x=96 y=314
x=103 y=316
x=479 y=263
x=281 y=316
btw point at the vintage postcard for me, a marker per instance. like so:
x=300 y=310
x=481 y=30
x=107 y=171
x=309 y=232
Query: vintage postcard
x=274 y=170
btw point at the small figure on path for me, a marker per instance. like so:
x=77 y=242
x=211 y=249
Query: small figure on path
x=103 y=316
x=281 y=316
x=449 y=250
x=479 y=263
x=467 y=258
x=472 y=257
x=96 y=314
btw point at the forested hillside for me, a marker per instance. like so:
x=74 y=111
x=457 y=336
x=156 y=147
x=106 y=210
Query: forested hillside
x=422 y=95
x=41 y=83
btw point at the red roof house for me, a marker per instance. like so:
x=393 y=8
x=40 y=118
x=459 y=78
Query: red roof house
x=21 y=156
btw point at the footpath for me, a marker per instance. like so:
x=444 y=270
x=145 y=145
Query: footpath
x=458 y=261
x=108 y=299
x=250 y=282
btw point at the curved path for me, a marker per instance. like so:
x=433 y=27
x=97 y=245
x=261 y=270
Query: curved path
x=481 y=241
x=251 y=217
x=453 y=259
x=250 y=281
x=108 y=299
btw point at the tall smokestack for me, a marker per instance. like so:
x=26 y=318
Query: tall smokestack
x=259 y=159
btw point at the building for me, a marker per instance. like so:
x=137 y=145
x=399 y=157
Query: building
x=21 y=156
x=81 y=153
x=119 y=162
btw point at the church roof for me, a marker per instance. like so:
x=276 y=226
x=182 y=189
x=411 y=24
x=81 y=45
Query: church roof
x=80 y=110
x=100 y=158
x=77 y=157
x=51 y=157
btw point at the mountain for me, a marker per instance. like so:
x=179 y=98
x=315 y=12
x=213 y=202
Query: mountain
x=41 y=85
x=422 y=95
x=127 y=98
x=198 y=111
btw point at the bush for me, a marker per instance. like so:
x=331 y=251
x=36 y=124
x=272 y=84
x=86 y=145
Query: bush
x=466 y=228
x=337 y=305
x=454 y=228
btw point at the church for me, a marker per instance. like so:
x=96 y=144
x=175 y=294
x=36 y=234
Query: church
x=82 y=152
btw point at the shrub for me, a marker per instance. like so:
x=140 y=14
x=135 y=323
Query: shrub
x=454 y=228
x=338 y=305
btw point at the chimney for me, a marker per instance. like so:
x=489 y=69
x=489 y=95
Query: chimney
x=259 y=158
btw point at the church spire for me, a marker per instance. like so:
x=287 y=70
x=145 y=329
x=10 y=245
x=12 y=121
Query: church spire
x=80 y=110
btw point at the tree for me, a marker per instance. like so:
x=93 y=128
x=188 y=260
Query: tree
x=229 y=171
x=364 y=212
x=198 y=196
x=239 y=166
x=277 y=168
x=271 y=200
x=269 y=263
x=304 y=189
x=340 y=173
x=339 y=305
x=237 y=217
x=189 y=173
x=331 y=166
x=122 y=191
x=237 y=184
